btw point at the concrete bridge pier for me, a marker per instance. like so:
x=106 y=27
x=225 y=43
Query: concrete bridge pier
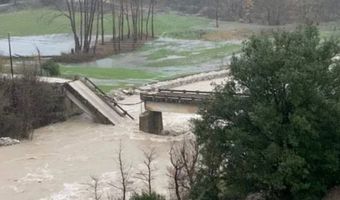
x=177 y=101
x=151 y=122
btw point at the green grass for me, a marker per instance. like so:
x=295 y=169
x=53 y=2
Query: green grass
x=330 y=29
x=108 y=88
x=180 y=26
x=191 y=58
x=107 y=73
x=32 y=22
x=173 y=25
x=161 y=53
x=47 y=21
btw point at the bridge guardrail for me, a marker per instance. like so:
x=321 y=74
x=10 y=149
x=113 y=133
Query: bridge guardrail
x=177 y=96
x=185 y=91
x=109 y=99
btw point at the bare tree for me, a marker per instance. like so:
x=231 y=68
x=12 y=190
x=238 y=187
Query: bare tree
x=87 y=17
x=148 y=176
x=124 y=170
x=248 y=8
x=182 y=172
x=175 y=173
x=82 y=12
x=217 y=14
x=94 y=187
x=275 y=10
x=135 y=12
x=121 y=17
x=127 y=20
x=97 y=32
x=153 y=2
x=141 y=19
x=147 y=20
x=113 y=24
x=102 y=20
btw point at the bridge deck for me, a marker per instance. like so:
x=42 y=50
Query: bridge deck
x=91 y=103
x=177 y=96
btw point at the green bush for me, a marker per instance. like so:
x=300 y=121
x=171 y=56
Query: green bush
x=147 y=196
x=51 y=68
x=281 y=136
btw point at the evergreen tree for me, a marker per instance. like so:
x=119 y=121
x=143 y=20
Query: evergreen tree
x=275 y=128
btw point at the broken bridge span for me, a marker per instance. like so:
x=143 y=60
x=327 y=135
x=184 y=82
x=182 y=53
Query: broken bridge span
x=93 y=101
x=177 y=101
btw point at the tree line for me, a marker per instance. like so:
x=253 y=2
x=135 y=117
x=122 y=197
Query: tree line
x=271 y=12
x=131 y=20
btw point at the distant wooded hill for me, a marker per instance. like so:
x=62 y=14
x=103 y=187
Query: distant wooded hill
x=4 y=1
x=271 y=12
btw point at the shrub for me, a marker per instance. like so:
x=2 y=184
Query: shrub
x=51 y=68
x=146 y=196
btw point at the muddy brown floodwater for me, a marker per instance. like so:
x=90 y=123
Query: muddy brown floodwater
x=58 y=163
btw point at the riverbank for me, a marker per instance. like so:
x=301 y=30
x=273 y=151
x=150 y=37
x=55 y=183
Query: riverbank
x=56 y=165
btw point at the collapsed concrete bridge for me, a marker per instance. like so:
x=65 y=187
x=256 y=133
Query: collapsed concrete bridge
x=93 y=101
x=177 y=101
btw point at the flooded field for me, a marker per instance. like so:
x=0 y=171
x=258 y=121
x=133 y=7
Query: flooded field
x=160 y=59
x=48 y=45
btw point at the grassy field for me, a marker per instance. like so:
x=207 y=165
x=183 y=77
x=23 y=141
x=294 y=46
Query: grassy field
x=32 y=22
x=191 y=57
x=170 y=24
x=330 y=29
x=120 y=77
x=107 y=73
x=46 y=21
x=190 y=41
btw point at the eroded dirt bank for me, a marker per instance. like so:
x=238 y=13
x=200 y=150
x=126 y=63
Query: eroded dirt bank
x=58 y=163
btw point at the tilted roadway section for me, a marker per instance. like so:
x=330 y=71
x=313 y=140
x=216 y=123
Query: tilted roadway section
x=180 y=101
x=91 y=103
x=88 y=97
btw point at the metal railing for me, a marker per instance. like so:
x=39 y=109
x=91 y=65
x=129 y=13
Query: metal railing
x=185 y=92
x=177 y=96
x=108 y=99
